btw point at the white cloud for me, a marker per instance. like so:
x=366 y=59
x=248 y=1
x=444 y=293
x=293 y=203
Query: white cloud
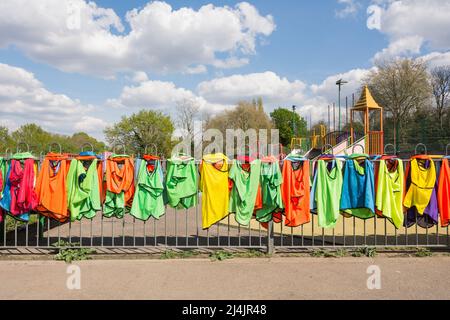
x=407 y=46
x=24 y=99
x=139 y=76
x=159 y=95
x=329 y=90
x=76 y=36
x=268 y=85
x=413 y=26
x=435 y=59
x=351 y=7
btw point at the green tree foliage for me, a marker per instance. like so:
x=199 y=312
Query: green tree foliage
x=283 y=120
x=142 y=129
x=40 y=140
x=37 y=138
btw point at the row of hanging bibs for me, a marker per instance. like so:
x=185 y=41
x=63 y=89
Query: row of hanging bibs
x=67 y=186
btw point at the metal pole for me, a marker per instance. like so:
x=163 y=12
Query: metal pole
x=329 y=120
x=334 y=116
x=294 y=127
x=270 y=240
x=339 y=108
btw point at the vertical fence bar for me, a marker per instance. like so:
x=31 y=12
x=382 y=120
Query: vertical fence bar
x=101 y=230
x=81 y=234
x=229 y=238
x=303 y=238
x=15 y=232
x=26 y=234
x=259 y=231
x=323 y=237
x=292 y=236
x=134 y=236
x=365 y=235
x=176 y=228
x=250 y=234
x=123 y=228
x=270 y=238
x=165 y=228
x=375 y=229
x=437 y=234
x=70 y=230
x=112 y=228
x=406 y=235
x=59 y=232
x=3 y=231
x=417 y=231
x=343 y=231
x=187 y=237
x=155 y=238
x=92 y=232
x=48 y=231
x=218 y=233
x=312 y=227
x=239 y=234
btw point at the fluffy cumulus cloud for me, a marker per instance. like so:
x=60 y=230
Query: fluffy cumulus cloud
x=79 y=36
x=329 y=90
x=24 y=99
x=159 y=95
x=413 y=26
x=268 y=85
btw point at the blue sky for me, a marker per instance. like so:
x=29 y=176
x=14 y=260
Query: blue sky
x=288 y=52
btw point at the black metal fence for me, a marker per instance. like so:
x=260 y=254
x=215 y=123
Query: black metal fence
x=182 y=229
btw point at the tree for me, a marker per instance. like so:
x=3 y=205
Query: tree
x=400 y=86
x=283 y=119
x=34 y=136
x=440 y=81
x=187 y=110
x=245 y=116
x=81 y=140
x=141 y=130
x=5 y=139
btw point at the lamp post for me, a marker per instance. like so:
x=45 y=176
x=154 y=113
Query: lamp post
x=294 y=127
x=340 y=83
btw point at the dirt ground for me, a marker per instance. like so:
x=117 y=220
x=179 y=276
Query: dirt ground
x=243 y=278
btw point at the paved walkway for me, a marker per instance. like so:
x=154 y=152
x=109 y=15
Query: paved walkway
x=264 y=278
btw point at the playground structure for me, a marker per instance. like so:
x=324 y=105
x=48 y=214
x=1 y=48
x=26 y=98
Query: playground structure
x=370 y=141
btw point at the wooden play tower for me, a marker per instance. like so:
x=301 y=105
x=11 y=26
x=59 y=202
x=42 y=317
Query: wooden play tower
x=369 y=109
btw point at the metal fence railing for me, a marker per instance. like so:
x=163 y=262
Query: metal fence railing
x=183 y=229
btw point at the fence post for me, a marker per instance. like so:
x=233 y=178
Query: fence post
x=270 y=239
x=2 y=230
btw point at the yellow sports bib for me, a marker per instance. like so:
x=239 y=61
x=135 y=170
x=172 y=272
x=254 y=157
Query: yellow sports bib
x=422 y=185
x=214 y=188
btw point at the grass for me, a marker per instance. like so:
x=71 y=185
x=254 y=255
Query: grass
x=423 y=252
x=221 y=255
x=366 y=252
x=67 y=252
x=172 y=254
x=318 y=253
